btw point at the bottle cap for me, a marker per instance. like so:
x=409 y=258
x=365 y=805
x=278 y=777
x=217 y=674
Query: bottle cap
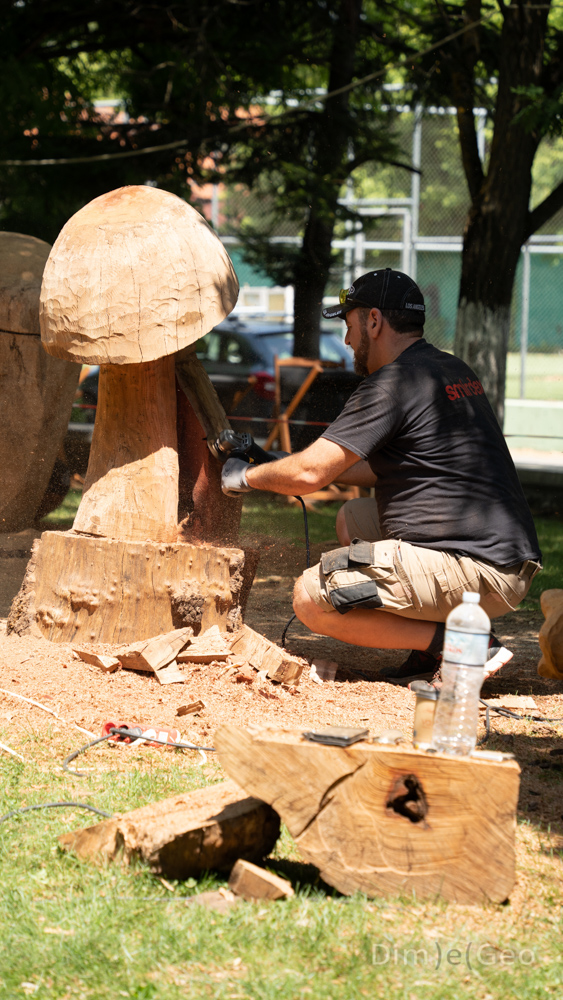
x=422 y=689
x=470 y=598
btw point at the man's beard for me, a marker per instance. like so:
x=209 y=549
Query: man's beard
x=361 y=354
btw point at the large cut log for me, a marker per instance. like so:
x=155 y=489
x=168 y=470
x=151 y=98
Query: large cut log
x=184 y=835
x=383 y=819
x=134 y=277
x=79 y=589
x=36 y=390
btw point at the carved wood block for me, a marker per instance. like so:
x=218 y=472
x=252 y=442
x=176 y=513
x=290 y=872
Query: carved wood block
x=384 y=819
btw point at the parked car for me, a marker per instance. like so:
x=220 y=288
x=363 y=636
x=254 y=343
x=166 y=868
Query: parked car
x=239 y=357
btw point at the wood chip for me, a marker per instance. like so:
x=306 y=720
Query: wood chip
x=194 y=706
x=245 y=677
x=171 y=674
x=152 y=654
x=252 y=882
x=323 y=671
x=265 y=655
x=515 y=702
x=214 y=656
x=108 y=664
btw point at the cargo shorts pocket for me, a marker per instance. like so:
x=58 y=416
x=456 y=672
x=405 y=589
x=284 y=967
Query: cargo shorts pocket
x=363 y=575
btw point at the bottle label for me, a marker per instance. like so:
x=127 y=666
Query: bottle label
x=466 y=647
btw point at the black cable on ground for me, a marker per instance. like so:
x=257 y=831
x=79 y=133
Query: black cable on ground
x=122 y=731
x=507 y=713
x=308 y=551
x=55 y=805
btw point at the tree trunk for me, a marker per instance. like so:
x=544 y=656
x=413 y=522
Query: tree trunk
x=497 y=223
x=82 y=589
x=331 y=152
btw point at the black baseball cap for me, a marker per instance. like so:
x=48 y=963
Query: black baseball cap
x=383 y=289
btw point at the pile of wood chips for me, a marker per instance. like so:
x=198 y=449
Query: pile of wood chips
x=245 y=654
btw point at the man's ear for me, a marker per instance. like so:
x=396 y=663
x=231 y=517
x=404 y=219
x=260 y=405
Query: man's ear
x=375 y=322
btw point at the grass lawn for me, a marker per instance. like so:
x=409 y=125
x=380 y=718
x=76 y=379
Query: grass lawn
x=71 y=929
x=544 y=376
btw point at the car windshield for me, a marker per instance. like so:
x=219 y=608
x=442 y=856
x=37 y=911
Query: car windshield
x=331 y=347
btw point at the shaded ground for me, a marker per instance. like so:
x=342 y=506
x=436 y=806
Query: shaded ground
x=48 y=672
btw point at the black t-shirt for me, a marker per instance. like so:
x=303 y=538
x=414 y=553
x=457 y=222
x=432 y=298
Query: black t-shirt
x=445 y=477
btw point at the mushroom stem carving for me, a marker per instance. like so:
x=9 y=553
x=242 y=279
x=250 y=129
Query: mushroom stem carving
x=131 y=487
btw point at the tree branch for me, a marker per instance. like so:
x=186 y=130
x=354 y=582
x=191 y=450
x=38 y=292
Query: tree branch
x=544 y=211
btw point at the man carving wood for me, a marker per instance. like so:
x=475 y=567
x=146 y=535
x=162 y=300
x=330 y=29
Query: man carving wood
x=449 y=515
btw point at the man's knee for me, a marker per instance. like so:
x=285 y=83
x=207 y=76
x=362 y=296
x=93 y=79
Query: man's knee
x=304 y=606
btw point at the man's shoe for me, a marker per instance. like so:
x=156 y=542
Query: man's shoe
x=418 y=666
x=424 y=666
x=498 y=656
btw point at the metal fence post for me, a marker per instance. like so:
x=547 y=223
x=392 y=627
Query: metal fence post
x=525 y=320
x=415 y=187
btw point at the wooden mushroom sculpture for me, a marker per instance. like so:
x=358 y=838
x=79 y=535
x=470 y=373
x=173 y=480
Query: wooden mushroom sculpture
x=134 y=277
x=36 y=390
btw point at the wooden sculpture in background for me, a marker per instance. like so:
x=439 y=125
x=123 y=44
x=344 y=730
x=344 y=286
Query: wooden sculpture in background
x=551 y=635
x=36 y=391
x=135 y=277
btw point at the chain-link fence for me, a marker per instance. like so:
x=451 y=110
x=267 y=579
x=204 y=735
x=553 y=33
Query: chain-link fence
x=413 y=220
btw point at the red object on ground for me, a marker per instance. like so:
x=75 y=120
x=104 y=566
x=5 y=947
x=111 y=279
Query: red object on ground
x=150 y=734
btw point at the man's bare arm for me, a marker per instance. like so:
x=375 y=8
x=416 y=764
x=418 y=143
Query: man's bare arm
x=321 y=463
x=360 y=474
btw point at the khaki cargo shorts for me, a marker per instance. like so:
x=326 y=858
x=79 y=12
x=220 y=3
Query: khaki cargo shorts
x=409 y=580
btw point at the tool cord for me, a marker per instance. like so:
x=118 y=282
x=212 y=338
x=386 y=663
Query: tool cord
x=54 y=805
x=122 y=731
x=507 y=713
x=308 y=550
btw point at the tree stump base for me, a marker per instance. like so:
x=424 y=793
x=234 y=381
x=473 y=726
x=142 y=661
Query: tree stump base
x=80 y=588
x=384 y=819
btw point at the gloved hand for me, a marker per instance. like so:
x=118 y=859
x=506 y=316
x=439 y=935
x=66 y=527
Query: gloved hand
x=233 y=477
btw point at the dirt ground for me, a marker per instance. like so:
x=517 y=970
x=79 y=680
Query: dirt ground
x=77 y=692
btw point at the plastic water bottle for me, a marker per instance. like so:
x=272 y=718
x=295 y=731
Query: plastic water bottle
x=466 y=644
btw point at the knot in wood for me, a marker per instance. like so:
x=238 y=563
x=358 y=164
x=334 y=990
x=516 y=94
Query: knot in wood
x=407 y=798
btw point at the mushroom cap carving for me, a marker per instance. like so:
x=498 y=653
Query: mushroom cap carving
x=135 y=275
x=22 y=259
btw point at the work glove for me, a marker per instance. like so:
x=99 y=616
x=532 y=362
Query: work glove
x=233 y=477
